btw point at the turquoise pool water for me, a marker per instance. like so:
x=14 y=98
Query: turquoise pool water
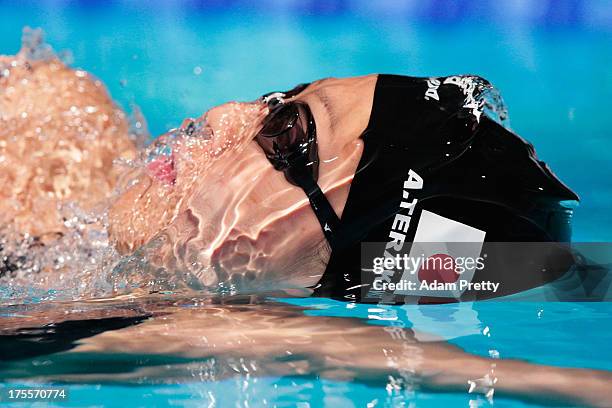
x=177 y=61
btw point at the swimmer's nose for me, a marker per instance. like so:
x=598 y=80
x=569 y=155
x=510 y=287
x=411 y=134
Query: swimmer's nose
x=216 y=114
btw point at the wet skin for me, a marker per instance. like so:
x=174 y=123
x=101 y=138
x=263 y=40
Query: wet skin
x=222 y=213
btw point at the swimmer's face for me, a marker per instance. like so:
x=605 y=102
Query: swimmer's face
x=222 y=210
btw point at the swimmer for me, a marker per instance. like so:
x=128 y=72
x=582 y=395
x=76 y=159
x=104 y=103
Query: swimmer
x=280 y=193
x=229 y=197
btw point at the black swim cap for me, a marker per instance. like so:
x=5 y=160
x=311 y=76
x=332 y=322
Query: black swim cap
x=432 y=155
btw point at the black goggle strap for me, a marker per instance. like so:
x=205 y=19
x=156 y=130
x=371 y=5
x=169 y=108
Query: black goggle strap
x=298 y=171
x=323 y=210
x=284 y=95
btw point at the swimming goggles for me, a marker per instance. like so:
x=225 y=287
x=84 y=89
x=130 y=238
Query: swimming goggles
x=289 y=139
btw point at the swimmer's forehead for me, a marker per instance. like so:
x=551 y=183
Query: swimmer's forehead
x=316 y=87
x=318 y=92
x=330 y=88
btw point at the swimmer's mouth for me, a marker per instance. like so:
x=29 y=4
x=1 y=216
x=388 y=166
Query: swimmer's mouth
x=162 y=169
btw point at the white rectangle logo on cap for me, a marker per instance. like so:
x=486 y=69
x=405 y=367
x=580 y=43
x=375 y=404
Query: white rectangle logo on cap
x=438 y=236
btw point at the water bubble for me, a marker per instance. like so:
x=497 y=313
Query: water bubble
x=34 y=46
x=139 y=130
x=66 y=57
x=197 y=70
x=484 y=385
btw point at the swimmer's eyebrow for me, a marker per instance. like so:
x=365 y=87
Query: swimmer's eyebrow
x=327 y=105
